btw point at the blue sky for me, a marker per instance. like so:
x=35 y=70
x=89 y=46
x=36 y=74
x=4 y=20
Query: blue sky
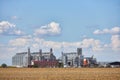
x=63 y=25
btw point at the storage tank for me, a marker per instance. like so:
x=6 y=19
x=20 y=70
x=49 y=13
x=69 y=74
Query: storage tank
x=85 y=62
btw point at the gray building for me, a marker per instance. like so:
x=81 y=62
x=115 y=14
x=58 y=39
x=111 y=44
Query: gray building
x=25 y=59
x=20 y=59
x=48 y=59
x=72 y=59
x=76 y=59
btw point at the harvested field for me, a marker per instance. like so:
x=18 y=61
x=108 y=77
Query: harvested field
x=59 y=73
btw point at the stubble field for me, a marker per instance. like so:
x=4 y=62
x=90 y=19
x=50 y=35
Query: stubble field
x=59 y=73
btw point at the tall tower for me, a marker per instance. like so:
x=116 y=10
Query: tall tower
x=29 y=57
x=65 y=60
x=40 y=52
x=80 y=56
x=51 y=51
x=79 y=51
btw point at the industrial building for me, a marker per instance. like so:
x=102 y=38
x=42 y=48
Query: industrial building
x=48 y=59
x=41 y=59
x=76 y=59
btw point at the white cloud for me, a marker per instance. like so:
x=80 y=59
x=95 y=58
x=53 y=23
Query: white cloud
x=96 y=45
x=19 y=42
x=37 y=43
x=18 y=32
x=114 y=30
x=5 y=25
x=115 y=42
x=115 y=37
x=7 y=28
x=6 y=50
x=52 y=44
x=51 y=29
x=97 y=32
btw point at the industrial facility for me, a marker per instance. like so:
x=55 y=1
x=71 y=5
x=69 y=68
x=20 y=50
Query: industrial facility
x=40 y=59
x=76 y=59
x=48 y=59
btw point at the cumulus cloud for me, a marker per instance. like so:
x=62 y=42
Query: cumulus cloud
x=37 y=43
x=114 y=30
x=115 y=42
x=7 y=28
x=115 y=37
x=96 y=45
x=19 y=42
x=5 y=25
x=51 y=29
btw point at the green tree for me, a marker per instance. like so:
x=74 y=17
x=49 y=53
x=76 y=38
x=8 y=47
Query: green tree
x=4 y=65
